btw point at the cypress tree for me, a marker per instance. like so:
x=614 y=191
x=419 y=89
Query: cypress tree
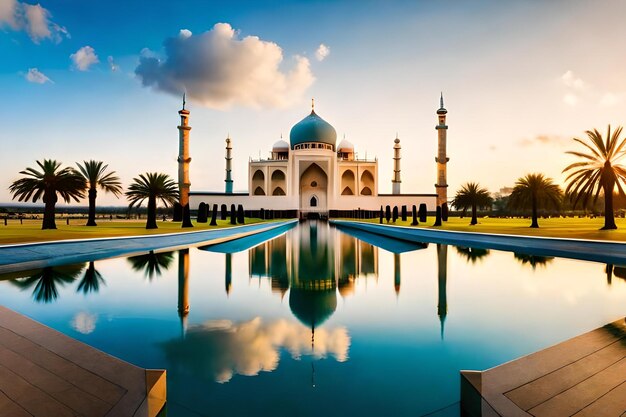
x=262 y=214
x=202 y=213
x=444 y=212
x=178 y=213
x=403 y=213
x=414 y=223
x=233 y=214
x=240 y=214
x=438 y=217
x=395 y=213
x=223 y=212
x=387 y=213
x=214 y=215
x=381 y=215
x=422 y=213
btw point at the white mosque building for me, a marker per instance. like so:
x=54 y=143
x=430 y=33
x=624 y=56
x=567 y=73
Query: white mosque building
x=313 y=175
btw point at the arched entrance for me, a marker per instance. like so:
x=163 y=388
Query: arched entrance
x=313 y=190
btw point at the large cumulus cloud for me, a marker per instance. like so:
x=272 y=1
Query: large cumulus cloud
x=219 y=349
x=219 y=69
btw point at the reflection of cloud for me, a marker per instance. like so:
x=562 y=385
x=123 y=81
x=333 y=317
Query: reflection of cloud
x=219 y=68
x=84 y=322
x=220 y=348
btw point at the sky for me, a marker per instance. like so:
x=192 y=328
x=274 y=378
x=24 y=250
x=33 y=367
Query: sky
x=103 y=80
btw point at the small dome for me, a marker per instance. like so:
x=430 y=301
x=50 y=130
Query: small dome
x=312 y=129
x=281 y=145
x=345 y=144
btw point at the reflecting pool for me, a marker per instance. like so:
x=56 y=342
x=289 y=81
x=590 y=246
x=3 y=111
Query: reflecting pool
x=318 y=322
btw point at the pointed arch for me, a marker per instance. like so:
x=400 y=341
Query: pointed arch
x=347 y=191
x=278 y=191
x=259 y=191
x=366 y=191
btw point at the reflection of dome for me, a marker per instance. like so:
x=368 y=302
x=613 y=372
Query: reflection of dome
x=346 y=145
x=281 y=145
x=312 y=308
x=312 y=129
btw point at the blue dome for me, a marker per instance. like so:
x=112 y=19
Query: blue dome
x=312 y=129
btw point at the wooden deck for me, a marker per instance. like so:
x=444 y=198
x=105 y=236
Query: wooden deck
x=583 y=377
x=45 y=373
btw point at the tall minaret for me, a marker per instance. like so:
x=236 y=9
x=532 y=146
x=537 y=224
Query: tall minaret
x=395 y=182
x=441 y=158
x=183 y=164
x=229 y=168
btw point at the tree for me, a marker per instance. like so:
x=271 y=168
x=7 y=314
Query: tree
x=152 y=186
x=471 y=195
x=233 y=214
x=214 y=216
x=598 y=171
x=403 y=211
x=422 y=212
x=387 y=213
x=437 y=217
x=395 y=213
x=240 y=214
x=50 y=183
x=414 y=212
x=444 y=212
x=202 y=213
x=534 y=192
x=95 y=175
x=223 y=212
x=381 y=215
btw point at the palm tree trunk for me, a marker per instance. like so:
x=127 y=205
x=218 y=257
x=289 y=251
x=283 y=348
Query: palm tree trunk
x=609 y=216
x=535 y=223
x=50 y=199
x=91 y=219
x=474 y=216
x=151 y=223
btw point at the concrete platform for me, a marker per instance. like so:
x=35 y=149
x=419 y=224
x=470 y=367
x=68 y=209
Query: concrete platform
x=583 y=377
x=44 y=373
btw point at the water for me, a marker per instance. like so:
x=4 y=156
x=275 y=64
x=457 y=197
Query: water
x=317 y=322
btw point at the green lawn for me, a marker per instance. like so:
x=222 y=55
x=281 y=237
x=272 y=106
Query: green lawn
x=30 y=230
x=573 y=228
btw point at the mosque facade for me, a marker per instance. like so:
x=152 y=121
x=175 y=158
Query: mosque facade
x=313 y=175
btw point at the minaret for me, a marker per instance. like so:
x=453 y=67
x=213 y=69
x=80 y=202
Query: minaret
x=183 y=164
x=395 y=182
x=229 y=168
x=183 y=288
x=441 y=158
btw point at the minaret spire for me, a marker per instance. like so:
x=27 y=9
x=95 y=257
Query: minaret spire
x=395 y=182
x=183 y=165
x=184 y=101
x=229 y=168
x=441 y=159
x=312 y=105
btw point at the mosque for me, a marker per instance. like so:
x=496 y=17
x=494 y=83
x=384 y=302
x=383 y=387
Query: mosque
x=312 y=175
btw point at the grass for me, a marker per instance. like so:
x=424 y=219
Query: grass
x=30 y=231
x=568 y=228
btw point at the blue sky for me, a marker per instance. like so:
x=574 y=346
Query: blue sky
x=520 y=79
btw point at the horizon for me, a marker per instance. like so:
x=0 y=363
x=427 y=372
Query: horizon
x=509 y=91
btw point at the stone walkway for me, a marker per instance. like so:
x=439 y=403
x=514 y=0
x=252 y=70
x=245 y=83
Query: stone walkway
x=38 y=255
x=44 y=373
x=583 y=377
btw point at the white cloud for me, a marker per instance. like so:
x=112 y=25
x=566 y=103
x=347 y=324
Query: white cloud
x=32 y=18
x=572 y=81
x=219 y=69
x=322 y=52
x=611 y=99
x=112 y=65
x=84 y=58
x=219 y=349
x=35 y=76
x=84 y=323
x=571 y=99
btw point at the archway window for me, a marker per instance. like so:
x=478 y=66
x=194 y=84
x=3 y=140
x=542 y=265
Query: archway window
x=347 y=191
x=259 y=191
x=366 y=191
x=278 y=175
x=313 y=201
x=278 y=191
x=258 y=175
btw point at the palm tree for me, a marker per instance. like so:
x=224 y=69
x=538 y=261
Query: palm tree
x=152 y=263
x=536 y=192
x=96 y=176
x=471 y=195
x=91 y=280
x=152 y=186
x=598 y=171
x=48 y=184
x=47 y=280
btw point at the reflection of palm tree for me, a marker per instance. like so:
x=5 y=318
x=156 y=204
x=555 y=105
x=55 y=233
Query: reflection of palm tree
x=472 y=254
x=91 y=280
x=152 y=263
x=533 y=260
x=46 y=280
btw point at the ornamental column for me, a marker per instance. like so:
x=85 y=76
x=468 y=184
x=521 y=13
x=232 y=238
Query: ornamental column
x=441 y=159
x=395 y=182
x=229 y=167
x=183 y=164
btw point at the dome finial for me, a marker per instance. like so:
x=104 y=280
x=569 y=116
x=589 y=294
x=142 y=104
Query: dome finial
x=313 y=105
x=441 y=101
x=184 y=95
